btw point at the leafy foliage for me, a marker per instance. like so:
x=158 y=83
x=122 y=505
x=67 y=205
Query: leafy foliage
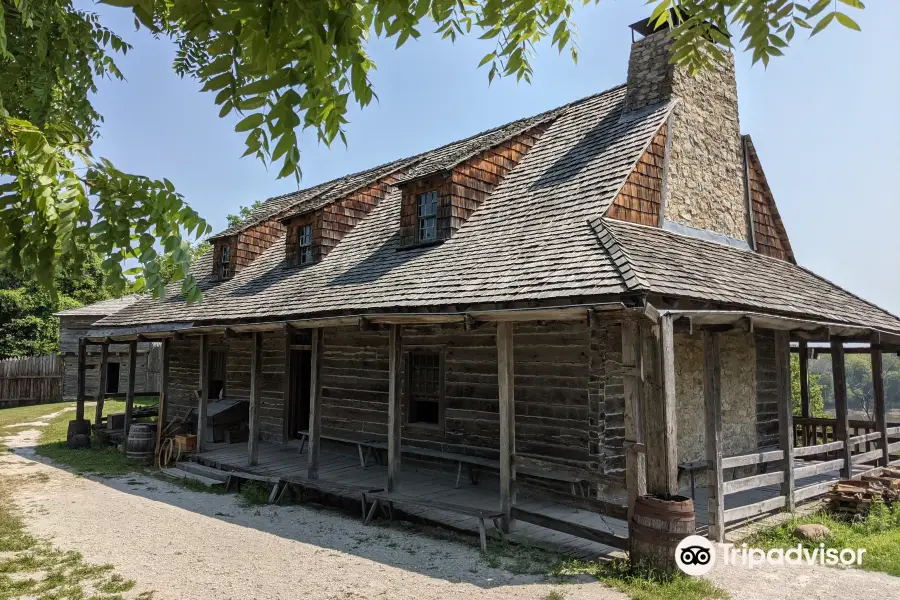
x=243 y=214
x=816 y=401
x=58 y=201
x=27 y=324
x=280 y=66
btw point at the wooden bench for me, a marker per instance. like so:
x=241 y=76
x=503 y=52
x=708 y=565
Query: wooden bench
x=367 y=448
x=384 y=499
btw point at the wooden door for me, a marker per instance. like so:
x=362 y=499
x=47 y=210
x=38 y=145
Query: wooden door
x=300 y=374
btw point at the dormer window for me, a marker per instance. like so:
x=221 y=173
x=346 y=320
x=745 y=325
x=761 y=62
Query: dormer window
x=226 y=270
x=304 y=245
x=427 y=216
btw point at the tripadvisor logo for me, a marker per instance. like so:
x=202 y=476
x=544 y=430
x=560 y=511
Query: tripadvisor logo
x=696 y=555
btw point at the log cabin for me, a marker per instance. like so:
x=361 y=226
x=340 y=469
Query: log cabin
x=586 y=308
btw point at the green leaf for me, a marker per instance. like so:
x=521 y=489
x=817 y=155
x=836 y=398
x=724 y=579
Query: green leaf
x=822 y=24
x=847 y=22
x=250 y=122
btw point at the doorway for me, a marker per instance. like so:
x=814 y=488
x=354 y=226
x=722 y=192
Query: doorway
x=112 y=377
x=299 y=400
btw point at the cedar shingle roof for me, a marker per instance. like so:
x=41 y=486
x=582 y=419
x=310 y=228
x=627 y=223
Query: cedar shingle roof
x=539 y=236
x=102 y=308
x=679 y=265
x=510 y=249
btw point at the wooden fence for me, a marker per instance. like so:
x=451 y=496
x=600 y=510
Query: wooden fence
x=31 y=380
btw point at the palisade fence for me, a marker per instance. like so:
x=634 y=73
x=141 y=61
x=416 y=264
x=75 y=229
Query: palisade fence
x=31 y=380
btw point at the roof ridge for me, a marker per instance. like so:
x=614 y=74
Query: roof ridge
x=631 y=276
x=407 y=161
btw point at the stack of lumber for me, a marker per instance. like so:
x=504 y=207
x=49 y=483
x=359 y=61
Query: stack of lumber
x=851 y=499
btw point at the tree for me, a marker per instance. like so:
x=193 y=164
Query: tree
x=280 y=65
x=243 y=213
x=816 y=402
x=27 y=324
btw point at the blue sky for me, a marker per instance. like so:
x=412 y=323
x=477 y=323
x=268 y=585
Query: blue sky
x=824 y=120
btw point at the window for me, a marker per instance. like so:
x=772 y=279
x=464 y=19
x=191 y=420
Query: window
x=225 y=262
x=424 y=388
x=304 y=245
x=427 y=216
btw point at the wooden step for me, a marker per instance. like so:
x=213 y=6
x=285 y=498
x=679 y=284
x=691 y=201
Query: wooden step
x=198 y=469
x=179 y=474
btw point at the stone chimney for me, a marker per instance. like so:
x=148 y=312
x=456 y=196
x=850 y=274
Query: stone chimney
x=704 y=187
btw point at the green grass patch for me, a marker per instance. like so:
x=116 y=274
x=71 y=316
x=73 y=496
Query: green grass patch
x=879 y=534
x=640 y=583
x=32 y=568
x=254 y=493
x=106 y=461
x=12 y=419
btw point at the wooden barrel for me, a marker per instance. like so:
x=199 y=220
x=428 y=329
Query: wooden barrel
x=141 y=443
x=656 y=527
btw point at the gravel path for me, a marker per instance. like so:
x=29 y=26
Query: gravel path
x=194 y=545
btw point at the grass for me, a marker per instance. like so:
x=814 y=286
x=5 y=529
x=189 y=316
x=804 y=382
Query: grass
x=879 y=534
x=640 y=583
x=106 y=461
x=254 y=493
x=32 y=568
x=11 y=419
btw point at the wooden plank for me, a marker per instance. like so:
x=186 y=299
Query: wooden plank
x=752 y=510
x=662 y=450
x=818 y=449
x=633 y=383
x=785 y=413
x=756 y=458
x=162 y=419
x=892 y=448
x=804 y=379
x=841 y=429
x=255 y=398
x=818 y=468
x=129 y=397
x=101 y=382
x=395 y=406
x=868 y=437
x=893 y=431
x=576 y=529
x=712 y=392
x=82 y=360
x=203 y=401
x=287 y=402
x=811 y=491
x=878 y=453
x=505 y=378
x=880 y=408
x=753 y=482
x=315 y=402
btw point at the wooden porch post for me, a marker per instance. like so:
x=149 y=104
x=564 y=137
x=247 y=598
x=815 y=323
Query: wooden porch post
x=660 y=427
x=203 y=401
x=163 y=392
x=317 y=349
x=880 y=410
x=785 y=413
x=395 y=355
x=129 y=394
x=804 y=381
x=255 y=398
x=633 y=381
x=79 y=391
x=842 y=427
x=101 y=382
x=712 y=391
x=505 y=377
x=287 y=409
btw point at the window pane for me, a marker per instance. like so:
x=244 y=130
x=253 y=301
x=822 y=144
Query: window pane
x=424 y=387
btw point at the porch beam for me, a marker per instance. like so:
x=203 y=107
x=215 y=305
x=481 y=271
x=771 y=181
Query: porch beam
x=203 y=400
x=255 y=398
x=880 y=409
x=101 y=382
x=804 y=380
x=633 y=383
x=662 y=457
x=712 y=392
x=165 y=351
x=80 y=380
x=785 y=413
x=315 y=402
x=842 y=426
x=395 y=356
x=129 y=394
x=505 y=378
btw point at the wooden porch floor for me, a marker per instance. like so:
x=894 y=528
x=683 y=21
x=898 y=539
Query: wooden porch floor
x=340 y=464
